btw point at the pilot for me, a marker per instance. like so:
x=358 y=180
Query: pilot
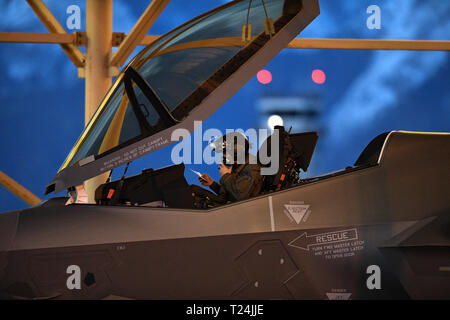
x=240 y=178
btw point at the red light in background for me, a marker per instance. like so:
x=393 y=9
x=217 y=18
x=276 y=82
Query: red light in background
x=264 y=76
x=318 y=76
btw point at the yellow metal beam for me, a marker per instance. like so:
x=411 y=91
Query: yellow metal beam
x=18 y=190
x=369 y=44
x=348 y=44
x=97 y=70
x=77 y=38
x=50 y=22
x=298 y=43
x=24 y=37
x=148 y=39
x=138 y=32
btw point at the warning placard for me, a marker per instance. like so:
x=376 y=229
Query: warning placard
x=330 y=245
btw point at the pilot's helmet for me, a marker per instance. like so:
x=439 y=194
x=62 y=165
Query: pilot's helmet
x=233 y=142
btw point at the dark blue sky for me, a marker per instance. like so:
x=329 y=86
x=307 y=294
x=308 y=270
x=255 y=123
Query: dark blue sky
x=366 y=92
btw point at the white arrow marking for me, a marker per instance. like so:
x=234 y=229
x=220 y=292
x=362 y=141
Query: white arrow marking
x=325 y=238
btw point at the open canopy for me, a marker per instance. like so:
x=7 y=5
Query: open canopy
x=183 y=76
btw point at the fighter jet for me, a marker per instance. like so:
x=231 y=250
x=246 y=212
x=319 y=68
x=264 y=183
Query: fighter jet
x=378 y=229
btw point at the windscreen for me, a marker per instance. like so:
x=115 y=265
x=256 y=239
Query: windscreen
x=119 y=123
x=187 y=58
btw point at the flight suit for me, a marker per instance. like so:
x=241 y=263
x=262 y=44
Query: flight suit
x=243 y=182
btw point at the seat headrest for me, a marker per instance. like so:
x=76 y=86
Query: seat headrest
x=301 y=146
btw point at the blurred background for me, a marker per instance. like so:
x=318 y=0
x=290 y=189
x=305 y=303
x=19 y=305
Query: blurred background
x=347 y=96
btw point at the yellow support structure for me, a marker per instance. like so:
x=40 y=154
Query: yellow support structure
x=138 y=32
x=369 y=44
x=344 y=44
x=96 y=71
x=50 y=22
x=298 y=43
x=17 y=189
x=26 y=37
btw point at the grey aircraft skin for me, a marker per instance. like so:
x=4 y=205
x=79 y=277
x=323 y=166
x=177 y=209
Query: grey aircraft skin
x=379 y=229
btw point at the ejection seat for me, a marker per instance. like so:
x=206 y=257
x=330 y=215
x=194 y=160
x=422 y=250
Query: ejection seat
x=295 y=152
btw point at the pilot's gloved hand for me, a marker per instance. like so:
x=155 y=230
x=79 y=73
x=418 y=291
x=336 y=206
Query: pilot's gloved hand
x=205 y=180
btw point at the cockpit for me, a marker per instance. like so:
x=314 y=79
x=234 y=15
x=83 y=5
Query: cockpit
x=171 y=77
x=167 y=187
x=182 y=77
